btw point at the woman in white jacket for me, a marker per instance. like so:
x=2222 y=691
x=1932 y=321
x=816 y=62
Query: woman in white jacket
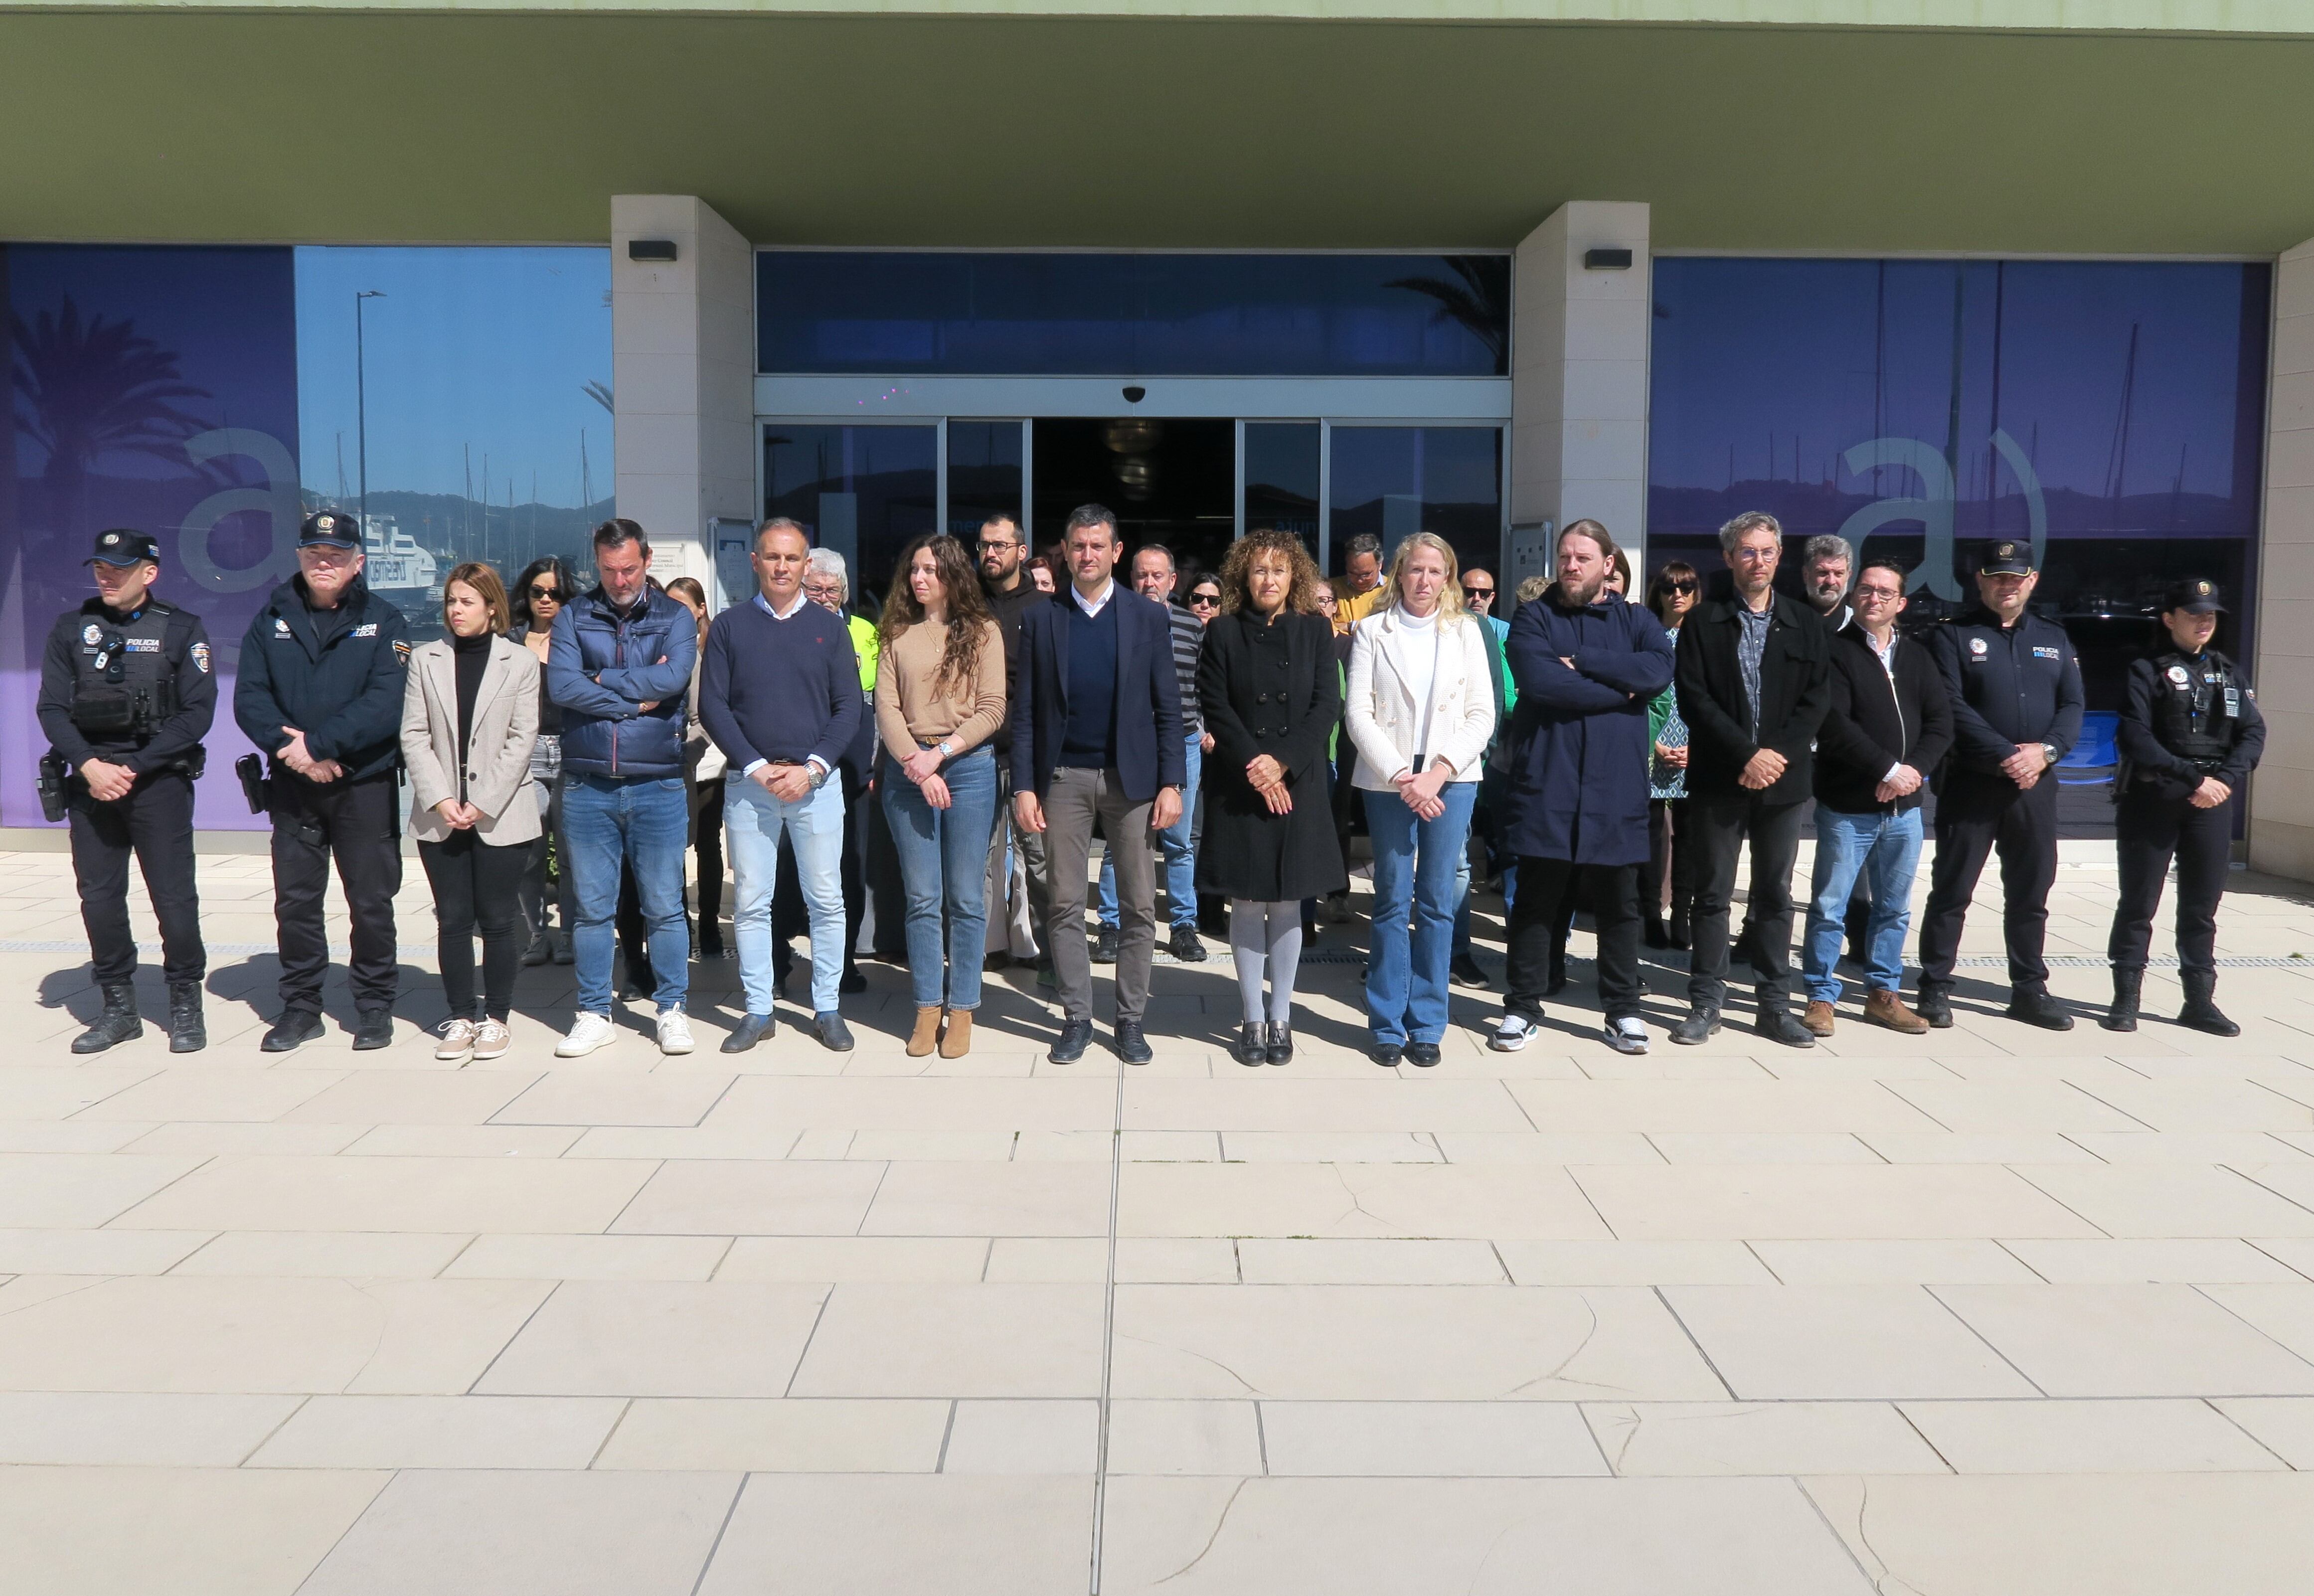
x=1419 y=709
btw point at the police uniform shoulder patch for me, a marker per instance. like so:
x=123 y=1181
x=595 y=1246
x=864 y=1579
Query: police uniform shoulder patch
x=400 y=650
x=2178 y=674
x=200 y=655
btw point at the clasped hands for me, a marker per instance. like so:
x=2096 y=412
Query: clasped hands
x=1904 y=781
x=1421 y=791
x=1268 y=779
x=2025 y=766
x=107 y=782
x=300 y=759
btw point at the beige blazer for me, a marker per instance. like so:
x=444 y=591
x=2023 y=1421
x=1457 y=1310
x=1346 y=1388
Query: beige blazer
x=1382 y=716
x=497 y=759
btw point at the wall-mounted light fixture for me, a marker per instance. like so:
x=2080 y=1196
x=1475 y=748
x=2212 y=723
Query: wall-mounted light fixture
x=663 y=249
x=1606 y=259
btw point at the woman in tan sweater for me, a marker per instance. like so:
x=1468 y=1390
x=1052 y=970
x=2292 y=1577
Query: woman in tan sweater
x=940 y=696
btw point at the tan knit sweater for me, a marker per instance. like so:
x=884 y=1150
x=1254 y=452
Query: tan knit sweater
x=909 y=714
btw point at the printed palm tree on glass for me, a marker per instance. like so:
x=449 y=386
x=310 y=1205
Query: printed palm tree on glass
x=88 y=388
x=1478 y=297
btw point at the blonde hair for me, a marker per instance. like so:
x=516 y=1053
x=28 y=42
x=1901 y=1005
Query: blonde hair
x=1450 y=596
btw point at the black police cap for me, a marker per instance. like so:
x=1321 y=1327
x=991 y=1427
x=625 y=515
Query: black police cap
x=329 y=529
x=124 y=546
x=2196 y=596
x=2004 y=558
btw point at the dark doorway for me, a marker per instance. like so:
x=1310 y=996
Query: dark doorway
x=1169 y=481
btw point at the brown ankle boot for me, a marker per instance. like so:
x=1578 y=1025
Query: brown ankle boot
x=927 y=1033
x=957 y=1040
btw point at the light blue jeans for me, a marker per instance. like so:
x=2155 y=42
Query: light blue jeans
x=1415 y=865
x=1180 y=858
x=645 y=821
x=944 y=868
x=1887 y=848
x=755 y=822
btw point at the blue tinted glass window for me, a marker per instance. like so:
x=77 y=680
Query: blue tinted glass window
x=1392 y=480
x=863 y=491
x=1133 y=315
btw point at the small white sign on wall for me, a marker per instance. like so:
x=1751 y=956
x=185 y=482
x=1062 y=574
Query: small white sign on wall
x=1530 y=556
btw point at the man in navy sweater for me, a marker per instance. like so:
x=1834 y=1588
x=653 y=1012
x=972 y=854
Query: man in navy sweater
x=781 y=697
x=1097 y=738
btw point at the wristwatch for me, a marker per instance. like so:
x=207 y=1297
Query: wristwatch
x=945 y=749
x=2049 y=751
x=817 y=775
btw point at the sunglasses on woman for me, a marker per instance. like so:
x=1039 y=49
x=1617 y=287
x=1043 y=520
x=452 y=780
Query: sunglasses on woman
x=549 y=595
x=1199 y=601
x=1679 y=588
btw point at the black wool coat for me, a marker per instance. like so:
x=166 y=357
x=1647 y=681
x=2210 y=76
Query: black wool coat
x=1269 y=688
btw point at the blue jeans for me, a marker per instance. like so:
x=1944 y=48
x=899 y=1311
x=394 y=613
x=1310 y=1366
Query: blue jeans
x=1887 y=848
x=753 y=822
x=647 y=821
x=1180 y=858
x=1416 y=864
x=944 y=868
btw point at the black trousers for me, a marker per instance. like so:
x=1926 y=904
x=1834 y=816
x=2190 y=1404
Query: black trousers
x=707 y=842
x=1612 y=891
x=1977 y=816
x=477 y=886
x=1721 y=825
x=1671 y=856
x=154 y=821
x=2149 y=831
x=358 y=825
x=791 y=916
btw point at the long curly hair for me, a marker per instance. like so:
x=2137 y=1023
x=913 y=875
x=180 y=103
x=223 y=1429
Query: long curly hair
x=968 y=615
x=1237 y=571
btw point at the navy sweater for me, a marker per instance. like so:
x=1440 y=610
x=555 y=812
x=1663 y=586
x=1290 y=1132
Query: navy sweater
x=1090 y=739
x=782 y=690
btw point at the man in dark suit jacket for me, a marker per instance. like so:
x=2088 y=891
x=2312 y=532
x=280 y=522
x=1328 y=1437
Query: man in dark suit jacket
x=1889 y=727
x=1097 y=739
x=1753 y=682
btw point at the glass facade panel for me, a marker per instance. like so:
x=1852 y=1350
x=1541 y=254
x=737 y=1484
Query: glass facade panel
x=2112 y=413
x=1146 y=314
x=862 y=491
x=1281 y=470
x=983 y=475
x=1392 y=480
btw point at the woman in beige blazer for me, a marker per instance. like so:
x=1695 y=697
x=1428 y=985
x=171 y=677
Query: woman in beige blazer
x=1419 y=709
x=469 y=718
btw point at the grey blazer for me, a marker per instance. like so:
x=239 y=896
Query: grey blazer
x=497 y=759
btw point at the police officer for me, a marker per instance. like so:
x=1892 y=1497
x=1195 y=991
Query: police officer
x=2190 y=735
x=2015 y=691
x=127 y=694
x=322 y=675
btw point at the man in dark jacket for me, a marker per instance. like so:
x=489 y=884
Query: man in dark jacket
x=1753 y=682
x=1004 y=583
x=322 y=669
x=2016 y=691
x=1587 y=666
x=1889 y=725
x=620 y=667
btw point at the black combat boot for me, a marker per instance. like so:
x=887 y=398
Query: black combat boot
x=188 y=1032
x=2127 y=984
x=118 y=1023
x=2200 y=1013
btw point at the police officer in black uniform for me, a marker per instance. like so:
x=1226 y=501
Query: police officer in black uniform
x=2016 y=691
x=127 y=694
x=2190 y=735
x=322 y=669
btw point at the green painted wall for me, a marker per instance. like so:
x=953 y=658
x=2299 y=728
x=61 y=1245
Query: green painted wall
x=975 y=131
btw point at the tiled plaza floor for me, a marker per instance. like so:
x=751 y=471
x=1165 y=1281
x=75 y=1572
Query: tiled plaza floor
x=1995 y=1310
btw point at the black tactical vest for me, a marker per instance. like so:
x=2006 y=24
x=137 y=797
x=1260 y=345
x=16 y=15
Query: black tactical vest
x=125 y=675
x=2196 y=705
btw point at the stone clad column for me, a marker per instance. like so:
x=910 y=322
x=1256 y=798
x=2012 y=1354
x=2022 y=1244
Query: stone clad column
x=1579 y=377
x=2282 y=794
x=684 y=372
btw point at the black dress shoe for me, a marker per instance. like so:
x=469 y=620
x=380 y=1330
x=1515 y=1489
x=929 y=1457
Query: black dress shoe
x=852 y=982
x=1104 y=945
x=1388 y=1055
x=1252 y=1043
x=1422 y=1054
x=751 y=1030
x=373 y=1028
x=1131 y=1046
x=1781 y=1025
x=1281 y=1043
x=1467 y=971
x=1934 y=1004
x=1702 y=1024
x=294 y=1028
x=2035 y=1006
x=1069 y=1046
x=834 y=1034
x=1185 y=947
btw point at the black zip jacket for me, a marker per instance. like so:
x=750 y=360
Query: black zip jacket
x=1876 y=722
x=336 y=675
x=1795 y=688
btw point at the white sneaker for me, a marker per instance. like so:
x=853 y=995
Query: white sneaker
x=1512 y=1032
x=491 y=1040
x=458 y=1041
x=591 y=1031
x=1627 y=1035
x=674 y=1032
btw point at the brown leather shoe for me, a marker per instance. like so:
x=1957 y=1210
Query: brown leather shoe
x=1816 y=1018
x=1886 y=1007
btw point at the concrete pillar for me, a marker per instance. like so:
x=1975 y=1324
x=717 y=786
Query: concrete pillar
x=683 y=376
x=1579 y=379
x=2281 y=796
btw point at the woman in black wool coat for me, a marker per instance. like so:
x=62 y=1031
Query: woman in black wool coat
x=1271 y=698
